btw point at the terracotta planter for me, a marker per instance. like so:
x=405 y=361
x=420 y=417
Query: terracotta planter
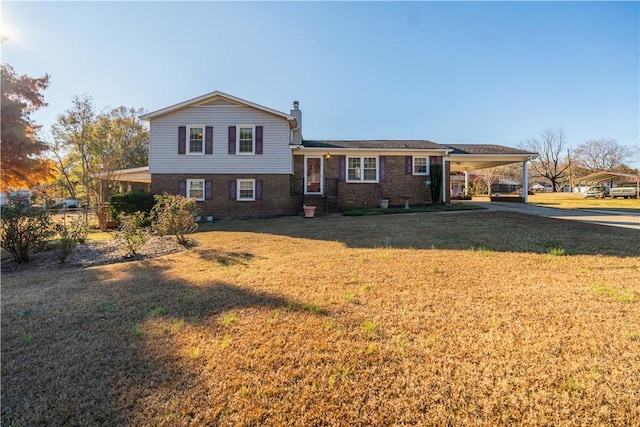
x=309 y=211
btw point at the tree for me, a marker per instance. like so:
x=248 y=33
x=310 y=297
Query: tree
x=74 y=129
x=85 y=143
x=551 y=162
x=121 y=140
x=23 y=163
x=602 y=154
x=488 y=176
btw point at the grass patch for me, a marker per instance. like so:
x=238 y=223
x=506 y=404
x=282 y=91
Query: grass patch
x=556 y=252
x=157 y=311
x=330 y=324
x=370 y=211
x=621 y=295
x=229 y=319
x=575 y=201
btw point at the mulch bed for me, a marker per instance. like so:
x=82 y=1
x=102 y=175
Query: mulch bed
x=95 y=253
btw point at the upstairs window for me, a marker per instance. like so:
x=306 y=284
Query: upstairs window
x=420 y=165
x=246 y=140
x=195 y=135
x=362 y=169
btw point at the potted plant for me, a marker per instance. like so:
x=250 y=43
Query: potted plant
x=384 y=203
x=309 y=211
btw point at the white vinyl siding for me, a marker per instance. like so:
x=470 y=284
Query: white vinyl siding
x=420 y=165
x=195 y=189
x=195 y=139
x=276 y=157
x=245 y=140
x=246 y=190
x=362 y=169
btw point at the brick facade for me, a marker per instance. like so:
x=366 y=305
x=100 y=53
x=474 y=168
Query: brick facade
x=276 y=194
x=397 y=183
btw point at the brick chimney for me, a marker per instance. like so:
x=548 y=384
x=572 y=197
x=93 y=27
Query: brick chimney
x=297 y=113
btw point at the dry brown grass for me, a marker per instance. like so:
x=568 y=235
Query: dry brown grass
x=337 y=321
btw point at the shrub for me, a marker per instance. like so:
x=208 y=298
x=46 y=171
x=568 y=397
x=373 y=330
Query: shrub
x=131 y=233
x=23 y=227
x=70 y=235
x=78 y=230
x=130 y=203
x=175 y=215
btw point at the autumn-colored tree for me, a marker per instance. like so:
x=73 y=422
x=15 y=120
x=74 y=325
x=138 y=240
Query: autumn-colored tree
x=23 y=163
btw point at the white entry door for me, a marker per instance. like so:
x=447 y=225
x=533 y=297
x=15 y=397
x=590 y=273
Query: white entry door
x=313 y=174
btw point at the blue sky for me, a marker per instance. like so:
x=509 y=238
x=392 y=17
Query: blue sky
x=451 y=72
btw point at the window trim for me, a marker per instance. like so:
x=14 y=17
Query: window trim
x=188 y=189
x=238 y=188
x=413 y=165
x=362 y=180
x=253 y=140
x=188 y=140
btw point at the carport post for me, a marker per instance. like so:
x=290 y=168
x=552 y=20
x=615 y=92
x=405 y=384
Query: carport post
x=525 y=184
x=466 y=183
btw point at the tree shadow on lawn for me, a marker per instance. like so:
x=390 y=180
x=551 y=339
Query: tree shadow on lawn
x=91 y=346
x=496 y=231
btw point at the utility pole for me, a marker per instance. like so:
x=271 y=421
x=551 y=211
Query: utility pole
x=570 y=176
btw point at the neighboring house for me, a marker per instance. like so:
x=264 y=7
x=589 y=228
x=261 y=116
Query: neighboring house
x=241 y=159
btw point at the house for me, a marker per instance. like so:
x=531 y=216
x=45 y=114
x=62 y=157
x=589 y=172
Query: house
x=237 y=158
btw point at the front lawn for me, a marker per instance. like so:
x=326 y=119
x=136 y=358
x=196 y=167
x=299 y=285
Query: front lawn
x=470 y=318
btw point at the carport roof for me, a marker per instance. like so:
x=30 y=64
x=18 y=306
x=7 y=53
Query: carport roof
x=601 y=176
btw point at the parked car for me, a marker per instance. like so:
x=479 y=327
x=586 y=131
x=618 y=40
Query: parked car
x=625 y=191
x=597 y=192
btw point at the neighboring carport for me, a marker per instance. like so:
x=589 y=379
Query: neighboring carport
x=608 y=176
x=126 y=177
x=469 y=157
x=604 y=176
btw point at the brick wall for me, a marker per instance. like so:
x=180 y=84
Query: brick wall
x=276 y=199
x=359 y=194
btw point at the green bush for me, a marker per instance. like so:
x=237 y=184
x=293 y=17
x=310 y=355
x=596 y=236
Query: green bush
x=175 y=215
x=23 y=227
x=131 y=233
x=130 y=203
x=71 y=234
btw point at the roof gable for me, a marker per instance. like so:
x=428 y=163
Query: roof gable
x=213 y=97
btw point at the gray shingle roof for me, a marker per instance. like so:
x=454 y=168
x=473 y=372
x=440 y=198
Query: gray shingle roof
x=374 y=144
x=399 y=144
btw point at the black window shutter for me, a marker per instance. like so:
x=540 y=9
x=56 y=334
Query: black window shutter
x=258 y=139
x=232 y=190
x=342 y=164
x=232 y=140
x=408 y=165
x=208 y=190
x=258 y=189
x=182 y=139
x=383 y=168
x=208 y=140
x=182 y=188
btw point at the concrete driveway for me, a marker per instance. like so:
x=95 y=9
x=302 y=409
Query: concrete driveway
x=612 y=218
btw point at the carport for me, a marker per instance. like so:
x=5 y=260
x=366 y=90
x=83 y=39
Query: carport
x=470 y=157
x=608 y=176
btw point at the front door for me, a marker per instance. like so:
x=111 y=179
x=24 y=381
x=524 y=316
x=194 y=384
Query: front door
x=313 y=174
